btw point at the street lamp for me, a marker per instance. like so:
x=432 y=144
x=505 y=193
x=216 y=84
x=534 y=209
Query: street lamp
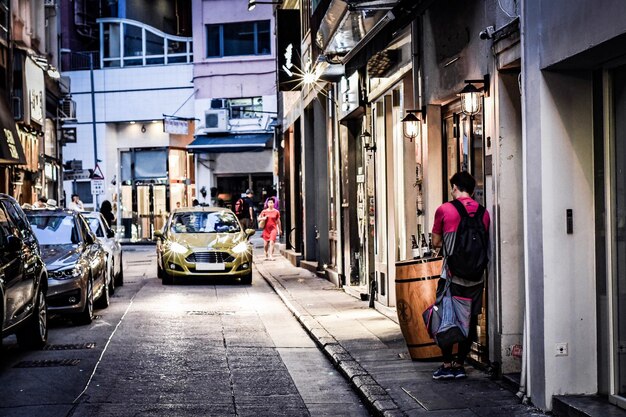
x=411 y=125
x=252 y=3
x=471 y=96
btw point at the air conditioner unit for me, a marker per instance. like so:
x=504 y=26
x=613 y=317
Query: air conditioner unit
x=219 y=103
x=67 y=109
x=215 y=121
x=50 y=3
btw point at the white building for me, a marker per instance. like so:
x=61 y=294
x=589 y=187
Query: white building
x=141 y=75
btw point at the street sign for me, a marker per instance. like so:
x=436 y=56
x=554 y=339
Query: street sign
x=175 y=126
x=82 y=174
x=97 y=186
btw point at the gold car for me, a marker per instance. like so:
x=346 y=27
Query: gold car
x=203 y=242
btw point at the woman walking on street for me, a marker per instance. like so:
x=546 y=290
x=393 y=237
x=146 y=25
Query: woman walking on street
x=272 y=228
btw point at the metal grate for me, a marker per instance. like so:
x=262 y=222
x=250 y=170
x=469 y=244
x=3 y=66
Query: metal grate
x=48 y=363
x=73 y=346
x=210 y=257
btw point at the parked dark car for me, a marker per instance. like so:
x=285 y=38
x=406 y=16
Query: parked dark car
x=75 y=260
x=23 y=279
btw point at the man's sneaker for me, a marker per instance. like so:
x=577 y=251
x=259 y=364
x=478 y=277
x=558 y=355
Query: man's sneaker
x=459 y=372
x=443 y=373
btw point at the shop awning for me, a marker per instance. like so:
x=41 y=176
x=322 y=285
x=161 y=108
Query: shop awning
x=11 y=151
x=231 y=143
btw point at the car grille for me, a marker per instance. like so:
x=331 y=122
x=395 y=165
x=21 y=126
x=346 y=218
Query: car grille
x=210 y=257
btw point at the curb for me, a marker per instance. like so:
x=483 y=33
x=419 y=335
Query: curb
x=376 y=398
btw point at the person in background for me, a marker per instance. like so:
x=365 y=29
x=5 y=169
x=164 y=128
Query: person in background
x=52 y=203
x=272 y=228
x=178 y=204
x=250 y=202
x=273 y=196
x=107 y=212
x=41 y=203
x=76 y=204
x=195 y=203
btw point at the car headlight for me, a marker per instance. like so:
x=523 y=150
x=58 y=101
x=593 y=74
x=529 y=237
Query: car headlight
x=240 y=247
x=178 y=248
x=69 y=273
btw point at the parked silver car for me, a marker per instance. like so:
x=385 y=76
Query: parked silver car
x=75 y=260
x=111 y=245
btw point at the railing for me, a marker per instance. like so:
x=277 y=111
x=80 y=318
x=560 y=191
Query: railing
x=125 y=43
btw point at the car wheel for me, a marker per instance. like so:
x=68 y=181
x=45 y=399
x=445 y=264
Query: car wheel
x=35 y=333
x=246 y=279
x=105 y=297
x=119 y=279
x=112 y=280
x=86 y=316
x=166 y=279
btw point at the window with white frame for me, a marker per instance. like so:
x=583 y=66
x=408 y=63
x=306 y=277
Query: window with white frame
x=245 y=108
x=241 y=38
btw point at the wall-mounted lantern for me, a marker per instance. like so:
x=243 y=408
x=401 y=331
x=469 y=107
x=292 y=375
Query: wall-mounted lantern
x=471 y=96
x=369 y=143
x=411 y=125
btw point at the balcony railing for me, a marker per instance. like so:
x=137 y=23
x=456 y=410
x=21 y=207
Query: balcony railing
x=127 y=43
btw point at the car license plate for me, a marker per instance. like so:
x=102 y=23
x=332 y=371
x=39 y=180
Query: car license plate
x=205 y=266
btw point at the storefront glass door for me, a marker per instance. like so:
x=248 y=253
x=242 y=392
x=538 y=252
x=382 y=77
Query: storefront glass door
x=151 y=209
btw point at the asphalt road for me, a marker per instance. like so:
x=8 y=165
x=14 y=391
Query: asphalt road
x=194 y=349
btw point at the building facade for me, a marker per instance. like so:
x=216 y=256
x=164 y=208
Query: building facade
x=32 y=91
x=131 y=72
x=234 y=78
x=543 y=142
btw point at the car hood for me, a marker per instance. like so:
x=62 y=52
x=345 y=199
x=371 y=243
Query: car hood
x=215 y=241
x=59 y=256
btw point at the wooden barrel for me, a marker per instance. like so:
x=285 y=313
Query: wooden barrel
x=416 y=287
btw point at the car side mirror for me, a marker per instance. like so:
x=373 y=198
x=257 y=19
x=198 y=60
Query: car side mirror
x=110 y=233
x=13 y=244
x=250 y=232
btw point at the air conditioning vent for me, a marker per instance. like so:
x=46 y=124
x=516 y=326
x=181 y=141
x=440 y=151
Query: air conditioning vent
x=216 y=121
x=67 y=109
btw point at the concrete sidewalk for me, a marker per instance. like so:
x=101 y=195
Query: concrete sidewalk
x=368 y=348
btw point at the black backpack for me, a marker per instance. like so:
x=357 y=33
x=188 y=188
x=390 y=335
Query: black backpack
x=470 y=253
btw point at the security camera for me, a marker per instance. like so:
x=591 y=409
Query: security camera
x=487 y=33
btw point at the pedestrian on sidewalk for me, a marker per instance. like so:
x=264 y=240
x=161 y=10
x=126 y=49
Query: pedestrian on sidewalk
x=272 y=228
x=445 y=232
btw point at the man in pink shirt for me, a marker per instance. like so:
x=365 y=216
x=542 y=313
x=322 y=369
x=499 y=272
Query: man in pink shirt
x=446 y=223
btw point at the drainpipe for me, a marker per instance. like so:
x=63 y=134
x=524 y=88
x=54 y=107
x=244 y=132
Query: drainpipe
x=416 y=57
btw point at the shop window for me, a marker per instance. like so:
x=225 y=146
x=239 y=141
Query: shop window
x=150 y=164
x=83 y=189
x=235 y=39
x=126 y=167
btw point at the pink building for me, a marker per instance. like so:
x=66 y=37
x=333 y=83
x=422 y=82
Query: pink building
x=234 y=78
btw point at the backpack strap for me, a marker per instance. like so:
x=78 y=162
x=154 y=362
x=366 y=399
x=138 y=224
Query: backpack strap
x=480 y=211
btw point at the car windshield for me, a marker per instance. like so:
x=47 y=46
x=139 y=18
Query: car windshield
x=95 y=226
x=204 y=222
x=54 y=229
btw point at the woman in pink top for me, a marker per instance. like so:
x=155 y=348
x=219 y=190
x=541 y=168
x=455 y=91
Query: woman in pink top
x=272 y=228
